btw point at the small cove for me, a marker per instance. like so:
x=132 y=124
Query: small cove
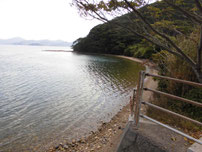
x=47 y=97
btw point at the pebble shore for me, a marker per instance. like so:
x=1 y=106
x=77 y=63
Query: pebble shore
x=104 y=139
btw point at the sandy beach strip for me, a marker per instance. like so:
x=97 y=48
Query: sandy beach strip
x=107 y=137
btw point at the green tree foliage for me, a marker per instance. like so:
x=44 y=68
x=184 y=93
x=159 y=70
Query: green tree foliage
x=105 y=38
x=158 y=23
x=110 y=38
x=142 y=50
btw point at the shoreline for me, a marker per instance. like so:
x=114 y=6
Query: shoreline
x=107 y=136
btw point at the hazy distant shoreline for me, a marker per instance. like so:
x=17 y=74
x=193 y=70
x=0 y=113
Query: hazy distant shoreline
x=21 y=41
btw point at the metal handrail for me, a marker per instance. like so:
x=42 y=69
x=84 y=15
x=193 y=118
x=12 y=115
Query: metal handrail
x=175 y=97
x=177 y=80
x=171 y=112
x=138 y=101
x=168 y=127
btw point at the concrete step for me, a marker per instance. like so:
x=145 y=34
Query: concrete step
x=150 y=137
x=195 y=147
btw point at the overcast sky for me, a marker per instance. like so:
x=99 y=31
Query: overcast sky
x=42 y=19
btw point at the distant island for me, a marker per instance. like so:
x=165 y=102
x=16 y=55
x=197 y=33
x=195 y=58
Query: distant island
x=21 y=41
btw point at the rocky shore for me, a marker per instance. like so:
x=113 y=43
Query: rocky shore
x=106 y=138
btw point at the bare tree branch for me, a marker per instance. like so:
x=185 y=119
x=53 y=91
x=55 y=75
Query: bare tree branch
x=188 y=59
x=199 y=55
x=154 y=42
x=186 y=13
x=99 y=16
x=198 y=4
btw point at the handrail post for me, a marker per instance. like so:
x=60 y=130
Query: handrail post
x=132 y=103
x=138 y=99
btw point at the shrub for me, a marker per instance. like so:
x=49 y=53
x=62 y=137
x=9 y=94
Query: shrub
x=172 y=66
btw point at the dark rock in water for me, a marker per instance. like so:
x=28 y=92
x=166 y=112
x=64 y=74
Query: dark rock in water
x=65 y=146
x=81 y=140
x=57 y=147
x=60 y=144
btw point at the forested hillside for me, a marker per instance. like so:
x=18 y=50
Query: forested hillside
x=111 y=38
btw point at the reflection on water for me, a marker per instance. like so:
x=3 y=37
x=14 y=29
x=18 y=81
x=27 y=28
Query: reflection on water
x=48 y=97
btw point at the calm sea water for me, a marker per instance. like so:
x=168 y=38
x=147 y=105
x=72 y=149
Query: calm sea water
x=48 y=97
